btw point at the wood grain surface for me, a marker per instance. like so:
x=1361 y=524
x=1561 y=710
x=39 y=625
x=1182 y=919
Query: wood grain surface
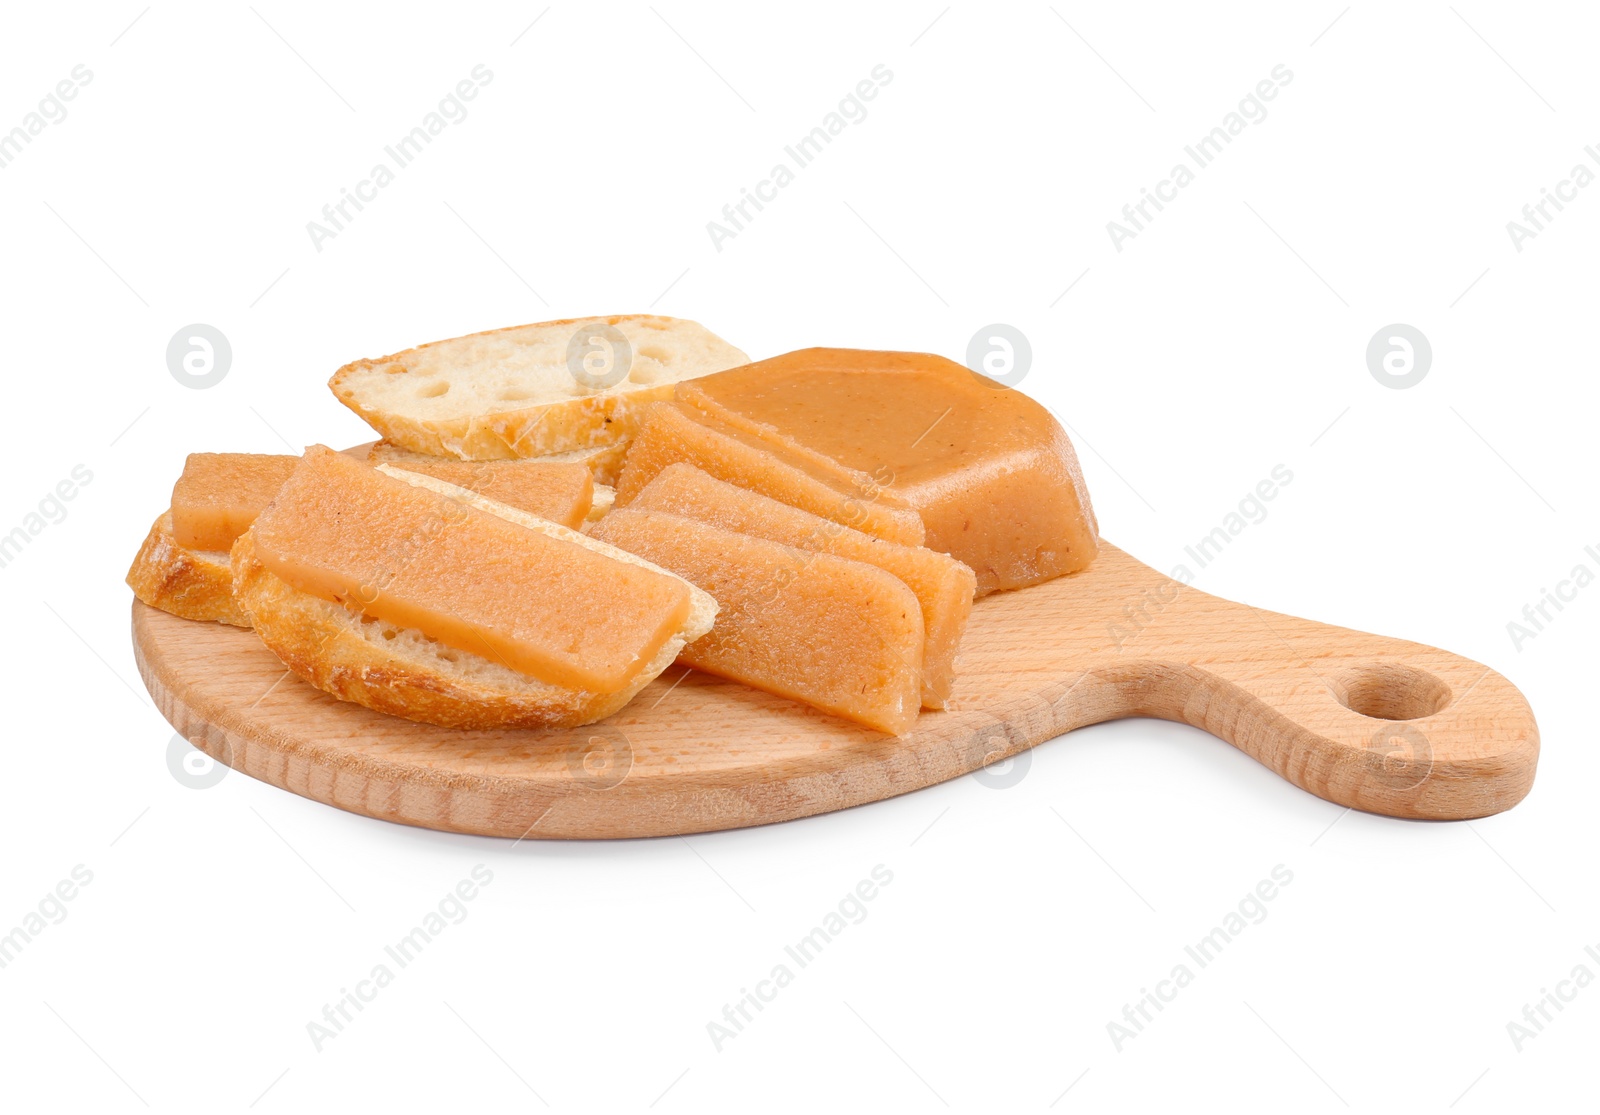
x=1370 y=722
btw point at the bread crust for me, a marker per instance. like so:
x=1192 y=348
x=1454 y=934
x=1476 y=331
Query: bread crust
x=605 y=418
x=185 y=582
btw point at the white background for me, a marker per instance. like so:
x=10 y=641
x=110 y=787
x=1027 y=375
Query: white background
x=1226 y=338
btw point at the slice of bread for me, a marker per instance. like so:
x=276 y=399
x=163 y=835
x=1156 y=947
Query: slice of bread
x=510 y=392
x=403 y=672
x=193 y=584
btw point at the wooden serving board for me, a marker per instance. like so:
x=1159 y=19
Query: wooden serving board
x=1370 y=722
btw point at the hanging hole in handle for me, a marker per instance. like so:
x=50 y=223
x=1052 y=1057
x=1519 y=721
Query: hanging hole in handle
x=1390 y=691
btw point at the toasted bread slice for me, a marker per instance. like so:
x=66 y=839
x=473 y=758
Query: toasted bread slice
x=510 y=393
x=403 y=672
x=189 y=583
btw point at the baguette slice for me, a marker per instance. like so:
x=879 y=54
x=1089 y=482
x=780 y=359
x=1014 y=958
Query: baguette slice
x=403 y=672
x=193 y=584
x=509 y=392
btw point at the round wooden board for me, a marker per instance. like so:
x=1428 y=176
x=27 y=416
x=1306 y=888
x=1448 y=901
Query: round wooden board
x=1374 y=723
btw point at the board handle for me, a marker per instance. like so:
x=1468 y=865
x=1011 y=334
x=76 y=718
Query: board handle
x=1377 y=724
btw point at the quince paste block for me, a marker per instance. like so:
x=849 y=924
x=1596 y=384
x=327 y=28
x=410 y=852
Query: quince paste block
x=220 y=494
x=537 y=603
x=840 y=635
x=672 y=432
x=558 y=492
x=943 y=586
x=989 y=470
